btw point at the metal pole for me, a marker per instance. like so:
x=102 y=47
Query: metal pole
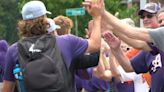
x=76 y=26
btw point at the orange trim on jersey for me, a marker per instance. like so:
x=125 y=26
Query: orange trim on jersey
x=132 y=52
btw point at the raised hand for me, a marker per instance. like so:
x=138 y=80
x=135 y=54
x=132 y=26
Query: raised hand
x=112 y=40
x=94 y=7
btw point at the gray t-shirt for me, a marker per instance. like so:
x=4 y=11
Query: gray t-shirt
x=157 y=36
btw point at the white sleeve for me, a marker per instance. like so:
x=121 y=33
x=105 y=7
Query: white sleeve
x=126 y=76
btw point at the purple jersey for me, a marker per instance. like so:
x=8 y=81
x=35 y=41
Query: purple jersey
x=69 y=45
x=92 y=85
x=124 y=87
x=3 y=51
x=147 y=62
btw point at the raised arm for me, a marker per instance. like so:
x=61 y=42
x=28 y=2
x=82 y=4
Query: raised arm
x=138 y=44
x=114 y=44
x=142 y=34
x=103 y=71
x=95 y=39
x=114 y=65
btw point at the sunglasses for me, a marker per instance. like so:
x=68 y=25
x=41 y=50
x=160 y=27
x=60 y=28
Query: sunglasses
x=146 y=15
x=160 y=21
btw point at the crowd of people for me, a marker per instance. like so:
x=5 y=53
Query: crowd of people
x=115 y=56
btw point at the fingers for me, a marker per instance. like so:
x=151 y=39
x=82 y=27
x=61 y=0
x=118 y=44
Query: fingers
x=86 y=30
x=87 y=6
x=87 y=33
x=101 y=1
x=108 y=37
x=90 y=2
x=87 y=2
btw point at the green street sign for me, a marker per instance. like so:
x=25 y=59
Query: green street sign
x=75 y=11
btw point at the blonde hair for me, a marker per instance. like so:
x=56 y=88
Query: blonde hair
x=65 y=23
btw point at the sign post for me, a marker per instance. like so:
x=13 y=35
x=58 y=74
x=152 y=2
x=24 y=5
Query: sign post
x=75 y=12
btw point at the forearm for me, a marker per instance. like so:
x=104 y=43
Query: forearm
x=86 y=61
x=101 y=66
x=122 y=59
x=113 y=67
x=104 y=60
x=95 y=38
x=100 y=70
x=131 y=32
x=8 y=86
x=138 y=44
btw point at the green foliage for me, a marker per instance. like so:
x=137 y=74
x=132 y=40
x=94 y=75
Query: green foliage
x=58 y=7
x=10 y=14
x=115 y=6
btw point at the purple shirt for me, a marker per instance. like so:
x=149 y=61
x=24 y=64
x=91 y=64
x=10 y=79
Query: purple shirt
x=69 y=45
x=3 y=51
x=92 y=85
x=147 y=62
x=124 y=87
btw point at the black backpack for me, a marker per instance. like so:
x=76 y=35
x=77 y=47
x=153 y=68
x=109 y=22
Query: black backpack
x=43 y=67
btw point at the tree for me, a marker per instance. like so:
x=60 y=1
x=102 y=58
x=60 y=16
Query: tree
x=116 y=6
x=10 y=14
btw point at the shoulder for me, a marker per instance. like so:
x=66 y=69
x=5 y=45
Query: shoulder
x=156 y=29
x=12 y=50
x=70 y=40
x=72 y=44
x=69 y=37
x=157 y=36
x=3 y=42
x=157 y=32
x=3 y=46
x=13 y=46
